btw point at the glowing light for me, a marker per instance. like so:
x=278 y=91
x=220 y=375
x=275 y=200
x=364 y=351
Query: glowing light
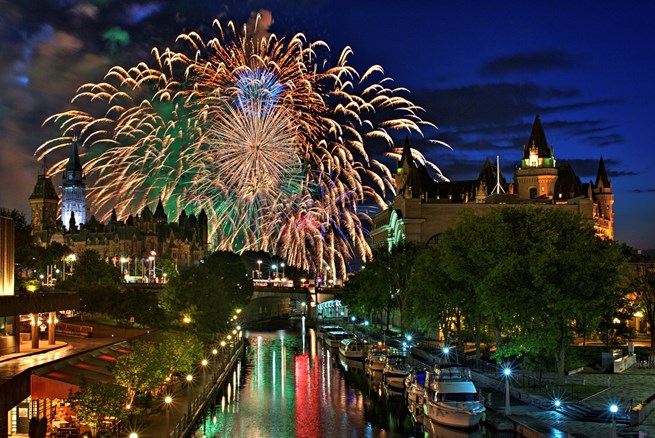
x=263 y=135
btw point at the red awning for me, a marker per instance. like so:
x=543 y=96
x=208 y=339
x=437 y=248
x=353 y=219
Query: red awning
x=58 y=380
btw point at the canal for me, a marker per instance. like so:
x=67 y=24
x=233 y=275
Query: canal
x=290 y=384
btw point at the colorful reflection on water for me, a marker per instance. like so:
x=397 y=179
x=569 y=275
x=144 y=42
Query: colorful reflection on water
x=291 y=385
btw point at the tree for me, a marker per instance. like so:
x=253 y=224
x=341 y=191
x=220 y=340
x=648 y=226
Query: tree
x=96 y=281
x=538 y=271
x=181 y=351
x=209 y=292
x=436 y=300
x=643 y=284
x=98 y=400
x=140 y=372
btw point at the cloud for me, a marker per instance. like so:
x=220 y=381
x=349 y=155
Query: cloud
x=532 y=62
x=649 y=190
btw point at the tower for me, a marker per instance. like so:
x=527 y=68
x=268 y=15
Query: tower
x=73 y=189
x=604 y=201
x=44 y=202
x=537 y=175
x=403 y=170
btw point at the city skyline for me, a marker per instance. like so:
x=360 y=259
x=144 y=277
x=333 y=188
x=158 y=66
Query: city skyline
x=481 y=73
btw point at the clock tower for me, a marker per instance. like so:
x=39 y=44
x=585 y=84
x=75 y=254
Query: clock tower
x=73 y=188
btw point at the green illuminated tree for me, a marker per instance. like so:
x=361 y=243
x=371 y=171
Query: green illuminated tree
x=98 y=400
x=140 y=372
x=643 y=285
x=533 y=272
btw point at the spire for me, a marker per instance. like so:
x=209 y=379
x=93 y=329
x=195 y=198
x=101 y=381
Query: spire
x=406 y=156
x=160 y=214
x=74 y=165
x=602 y=180
x=537 y=141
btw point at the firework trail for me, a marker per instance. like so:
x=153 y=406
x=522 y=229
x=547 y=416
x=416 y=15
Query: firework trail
x=259 y=133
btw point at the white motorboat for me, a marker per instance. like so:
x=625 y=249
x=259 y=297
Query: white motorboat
x=376 y=359
x=451 y=398
x=353 y=349
x=333 y=338
x=395 y=371
x=322 y=330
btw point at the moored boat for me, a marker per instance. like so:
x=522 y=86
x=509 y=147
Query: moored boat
x=451 y=398
x=415 y=394
x=322 y=330
x=395 y=371
x=353 y=349
x=333 y=338
x=376 y=359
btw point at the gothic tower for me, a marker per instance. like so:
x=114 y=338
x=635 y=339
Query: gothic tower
x=403 y=170
x=44 y=202
x=537 y=175
x=73 y=189
x=604 y=210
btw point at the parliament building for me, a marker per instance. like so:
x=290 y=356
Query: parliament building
x=134 y=239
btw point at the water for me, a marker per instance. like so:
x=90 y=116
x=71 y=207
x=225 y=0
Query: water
x=291 y=385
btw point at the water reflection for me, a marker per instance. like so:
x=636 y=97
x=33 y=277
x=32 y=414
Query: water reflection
x=286 y=389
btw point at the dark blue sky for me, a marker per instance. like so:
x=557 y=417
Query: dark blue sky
x=481 y=71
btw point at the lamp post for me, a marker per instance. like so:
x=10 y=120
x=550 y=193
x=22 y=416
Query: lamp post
x=189 y=379
x=134 y=435
x=168 y=400
x=275 y=267
x=70 y=259
x=259 y=269
x=153 y=266
x=507 y=372
x=282 y=265
x=614 y=408
x=204 y=364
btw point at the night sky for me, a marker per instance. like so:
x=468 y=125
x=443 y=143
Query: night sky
x=481 y=71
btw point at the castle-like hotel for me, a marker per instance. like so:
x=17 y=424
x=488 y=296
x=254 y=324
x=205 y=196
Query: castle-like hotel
x=424 y=208
x=136 y=238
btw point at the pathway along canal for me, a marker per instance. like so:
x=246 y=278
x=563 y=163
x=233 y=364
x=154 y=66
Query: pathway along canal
x=292 y=385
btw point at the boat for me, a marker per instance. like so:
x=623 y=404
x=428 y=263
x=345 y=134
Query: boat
x=353 y=349
x=415 y=394
x=451 y=398
x=376 y=359
x=333 y=338
x=395 y=371
x=323 y=329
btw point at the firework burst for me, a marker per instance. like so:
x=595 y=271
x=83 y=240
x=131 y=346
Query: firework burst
x=271 y=144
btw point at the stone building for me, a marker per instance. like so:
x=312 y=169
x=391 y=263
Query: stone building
x=424 y=208
x=134 y=239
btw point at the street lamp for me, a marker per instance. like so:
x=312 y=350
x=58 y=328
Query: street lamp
x=134 y=435
x=275 y=267
x=189 y=379
x=614 y=408
x=282 y=265
x=507 y=372
x=204 y=364
x=259 y=268
x=168 y=400
x=153 y=266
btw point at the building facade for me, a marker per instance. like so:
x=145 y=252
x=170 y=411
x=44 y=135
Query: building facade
x=423 y=208
x=134 y=240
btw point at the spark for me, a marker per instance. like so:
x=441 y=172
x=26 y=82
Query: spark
x=264 y=135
